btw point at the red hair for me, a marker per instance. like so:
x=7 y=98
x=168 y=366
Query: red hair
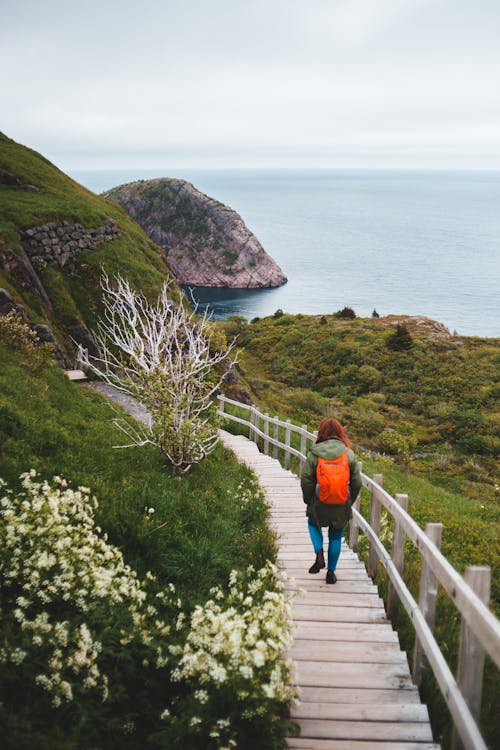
x=331 y=429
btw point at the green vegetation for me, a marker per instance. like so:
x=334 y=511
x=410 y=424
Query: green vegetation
x=427 y=416
x=190 y=531
x=433 y=406
x=74 y=292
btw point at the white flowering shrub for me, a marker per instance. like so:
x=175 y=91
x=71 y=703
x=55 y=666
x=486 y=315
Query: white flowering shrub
x=232 y=659
x=91 y=650
x=70 y=605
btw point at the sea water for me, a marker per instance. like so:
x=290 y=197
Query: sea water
x=398 y=242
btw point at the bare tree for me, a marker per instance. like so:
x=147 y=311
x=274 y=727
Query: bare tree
x=166 y=357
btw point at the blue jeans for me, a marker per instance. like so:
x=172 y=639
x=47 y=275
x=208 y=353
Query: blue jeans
x=334 y=542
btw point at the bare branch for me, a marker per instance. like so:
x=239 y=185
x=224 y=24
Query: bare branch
x=161 y=354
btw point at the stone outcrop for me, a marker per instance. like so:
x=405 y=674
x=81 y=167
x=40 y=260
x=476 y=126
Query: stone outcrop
x=13 y=180
x=205 y=242
x=420 y=323
x=60 y=242
x=19 y=268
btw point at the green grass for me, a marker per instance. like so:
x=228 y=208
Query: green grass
x=75 y=291
x=199 y=530
x=204 y=524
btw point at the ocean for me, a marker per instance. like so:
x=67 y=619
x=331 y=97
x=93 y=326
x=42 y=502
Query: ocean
x=398 y=242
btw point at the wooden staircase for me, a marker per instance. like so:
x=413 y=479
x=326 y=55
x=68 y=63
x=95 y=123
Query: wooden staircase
x=355 y=687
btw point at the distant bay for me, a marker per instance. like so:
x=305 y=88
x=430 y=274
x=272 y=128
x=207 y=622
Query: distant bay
x=417 y=243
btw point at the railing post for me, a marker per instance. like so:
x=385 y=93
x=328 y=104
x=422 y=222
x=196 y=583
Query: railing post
x=266 y=433
x=287 y=443
x=251 y=432
x=276 y=437
x=375 y=524
x=426 y=602
x=221 y=403
x=303 y=447
x=353 y=526
x=471 y=653
x=398 y=556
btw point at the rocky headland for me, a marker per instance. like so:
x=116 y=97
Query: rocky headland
x=205 y=242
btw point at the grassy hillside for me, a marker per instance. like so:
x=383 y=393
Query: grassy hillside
x=190 y=531
x=73 y=292
x=432 y=406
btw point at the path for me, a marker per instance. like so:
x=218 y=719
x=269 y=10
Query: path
x=356 y=691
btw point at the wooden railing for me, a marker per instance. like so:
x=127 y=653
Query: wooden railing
x=480 y=629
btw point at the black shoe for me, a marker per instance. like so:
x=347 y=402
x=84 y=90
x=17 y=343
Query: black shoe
x=331 y=577
x=318 y=564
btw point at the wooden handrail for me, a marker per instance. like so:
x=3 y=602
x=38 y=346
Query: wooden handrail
x=476 y=615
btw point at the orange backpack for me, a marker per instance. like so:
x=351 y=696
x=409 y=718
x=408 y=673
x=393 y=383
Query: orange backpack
x=332 y=476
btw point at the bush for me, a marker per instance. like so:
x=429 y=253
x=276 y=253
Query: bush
x=401 y=339
x=347 y=313
x=278 y=313
x=95 y=656
x=395 y=444
x=78 y=625
x=17 y=334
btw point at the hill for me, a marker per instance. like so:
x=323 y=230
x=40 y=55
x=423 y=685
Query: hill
x=405 y=387
x=55 y=237
x=206 y=242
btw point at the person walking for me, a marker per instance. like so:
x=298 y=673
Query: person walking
x=330 y=481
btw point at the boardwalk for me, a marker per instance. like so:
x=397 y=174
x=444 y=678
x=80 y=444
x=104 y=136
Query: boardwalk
x=355 y=687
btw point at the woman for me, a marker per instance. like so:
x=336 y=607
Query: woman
x=331 y=453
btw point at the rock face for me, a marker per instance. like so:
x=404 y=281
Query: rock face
x=205 y=242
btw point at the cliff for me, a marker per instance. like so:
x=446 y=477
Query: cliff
x=206 y=243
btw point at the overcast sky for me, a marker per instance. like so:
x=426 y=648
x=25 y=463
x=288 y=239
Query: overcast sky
x=231 y=83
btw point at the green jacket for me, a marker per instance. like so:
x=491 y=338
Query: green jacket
x=320 y=513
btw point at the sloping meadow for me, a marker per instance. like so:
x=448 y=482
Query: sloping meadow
x=139 y=609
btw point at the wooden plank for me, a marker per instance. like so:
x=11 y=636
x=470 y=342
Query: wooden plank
x=308 y=743
x=331 y=597
x=75 y=374
x=346 y=651
x=371 y=730
x=343 y=574
x=357 y=696
x=338 y=614
x=325 y=674
x=413 y=712
x=363 y=633
x=345 y=587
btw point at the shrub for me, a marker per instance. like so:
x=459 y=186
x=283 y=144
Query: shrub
x=278 y=313
x=347 y=313
x=93 y=655
x=77 y=622
x=17 y=334
x=401 y=339
x=231 y=660
x=395 y=444
x=234 y=325
x=163 y=356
